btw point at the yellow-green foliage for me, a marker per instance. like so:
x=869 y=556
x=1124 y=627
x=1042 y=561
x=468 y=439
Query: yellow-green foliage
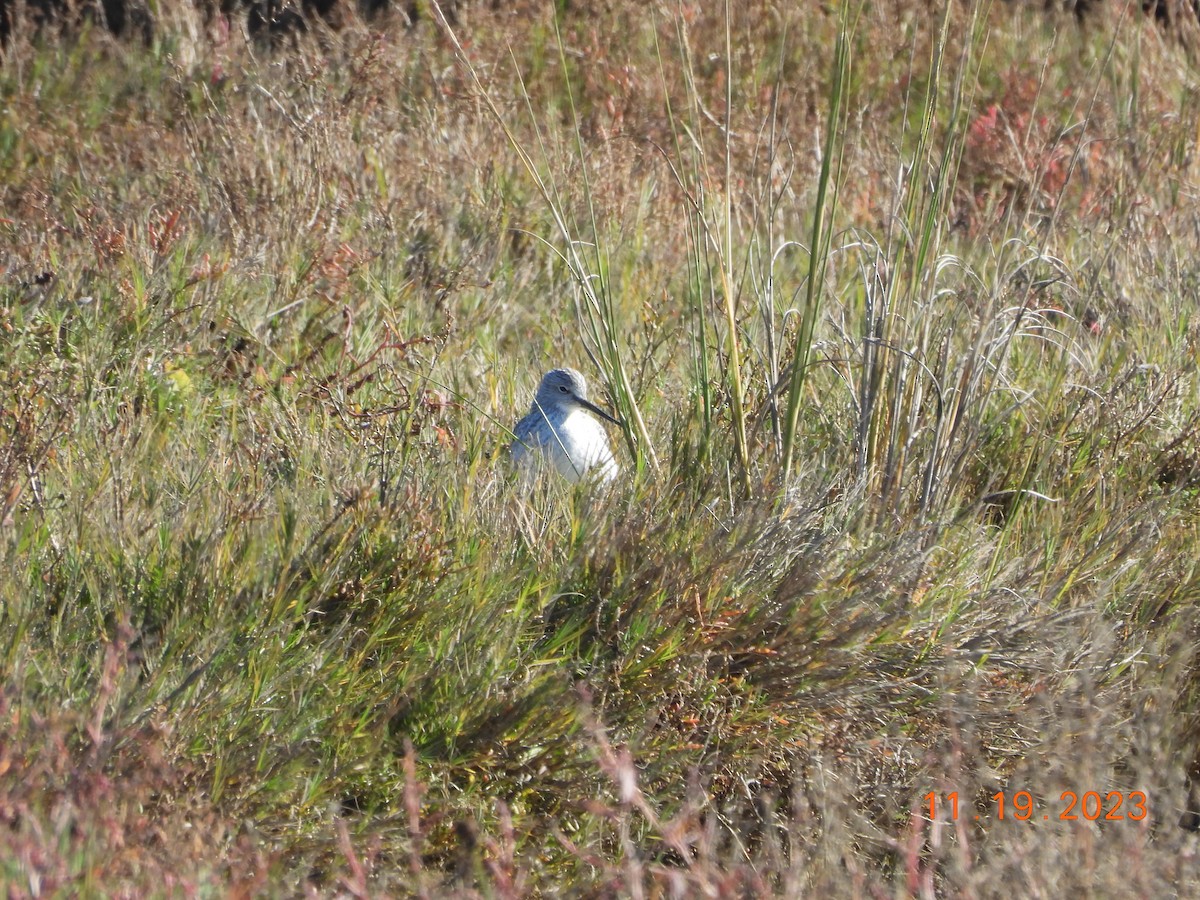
x=896 y=304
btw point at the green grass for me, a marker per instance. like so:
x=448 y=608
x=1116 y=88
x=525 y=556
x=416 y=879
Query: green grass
x=897 y=307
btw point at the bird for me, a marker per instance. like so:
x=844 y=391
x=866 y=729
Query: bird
x=559 y=430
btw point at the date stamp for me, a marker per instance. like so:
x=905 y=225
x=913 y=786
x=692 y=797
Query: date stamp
x=1071 y=806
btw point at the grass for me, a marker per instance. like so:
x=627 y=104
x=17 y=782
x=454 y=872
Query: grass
x=898 y=310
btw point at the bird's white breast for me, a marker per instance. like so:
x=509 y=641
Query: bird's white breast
x=581 y=446
x=574 y=443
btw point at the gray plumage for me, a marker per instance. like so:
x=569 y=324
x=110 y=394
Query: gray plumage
x=560 y=430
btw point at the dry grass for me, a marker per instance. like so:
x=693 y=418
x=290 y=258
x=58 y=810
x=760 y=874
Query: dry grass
x=275 y=618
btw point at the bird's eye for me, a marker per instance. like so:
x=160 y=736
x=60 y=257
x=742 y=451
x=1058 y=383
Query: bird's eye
x=563 y=388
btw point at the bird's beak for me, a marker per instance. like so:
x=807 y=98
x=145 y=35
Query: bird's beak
x=598 y=411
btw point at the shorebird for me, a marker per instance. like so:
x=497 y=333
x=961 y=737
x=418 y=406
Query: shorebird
x=560 y=431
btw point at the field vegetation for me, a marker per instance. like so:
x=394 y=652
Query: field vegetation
x=897 y=301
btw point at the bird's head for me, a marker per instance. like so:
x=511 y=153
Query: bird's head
x=567 y=387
